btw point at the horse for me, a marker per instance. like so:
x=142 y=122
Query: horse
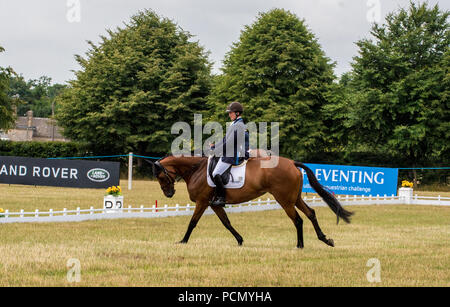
x=284 y=182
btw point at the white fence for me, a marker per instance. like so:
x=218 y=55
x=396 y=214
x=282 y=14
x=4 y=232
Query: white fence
x=177 y=210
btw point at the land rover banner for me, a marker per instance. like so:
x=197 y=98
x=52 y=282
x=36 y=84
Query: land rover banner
x=59 y=173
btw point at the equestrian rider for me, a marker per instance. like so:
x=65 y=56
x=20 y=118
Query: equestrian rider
x=233 y=150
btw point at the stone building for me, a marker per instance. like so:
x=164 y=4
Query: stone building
x=29 y=128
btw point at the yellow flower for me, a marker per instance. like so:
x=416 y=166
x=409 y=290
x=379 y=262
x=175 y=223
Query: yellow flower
x=118 y=188
x=1 y=210
x=406 y=183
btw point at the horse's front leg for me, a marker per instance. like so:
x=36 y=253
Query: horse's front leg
x=200 y=208
x=226 y=222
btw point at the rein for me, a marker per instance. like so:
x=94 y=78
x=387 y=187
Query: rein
x=167 y=172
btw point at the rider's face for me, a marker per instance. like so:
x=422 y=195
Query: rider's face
x=232 y=115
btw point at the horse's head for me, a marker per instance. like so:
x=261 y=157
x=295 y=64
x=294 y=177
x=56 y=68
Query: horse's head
x=166 y=178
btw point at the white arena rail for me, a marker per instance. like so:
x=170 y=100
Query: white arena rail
x=177 y=210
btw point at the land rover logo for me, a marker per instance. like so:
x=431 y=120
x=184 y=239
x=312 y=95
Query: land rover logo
x=98 y=174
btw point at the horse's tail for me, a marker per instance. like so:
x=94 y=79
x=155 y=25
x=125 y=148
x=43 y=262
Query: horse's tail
x=331 y=201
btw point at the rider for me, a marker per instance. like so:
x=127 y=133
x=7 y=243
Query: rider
x=233 y=150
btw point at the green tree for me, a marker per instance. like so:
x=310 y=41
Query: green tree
x=279 y=72
x=401 y=78
x=37 y=95
x=6 y=103
x=134 y=85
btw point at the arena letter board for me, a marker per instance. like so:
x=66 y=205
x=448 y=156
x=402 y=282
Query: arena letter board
x=59 y=172
x=353 y=180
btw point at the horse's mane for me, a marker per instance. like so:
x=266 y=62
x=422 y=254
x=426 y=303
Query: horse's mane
x=194 y=167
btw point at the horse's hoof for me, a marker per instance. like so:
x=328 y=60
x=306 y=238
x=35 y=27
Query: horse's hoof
x=182 y=242
x=330 y=242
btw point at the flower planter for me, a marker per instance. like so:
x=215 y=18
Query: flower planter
x=406 y=194
x=112 y=204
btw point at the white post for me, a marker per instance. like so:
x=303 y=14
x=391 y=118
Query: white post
x=36 y=213
x=91 y=210
x=78 y=210
x=130 y=169
x=51 y=212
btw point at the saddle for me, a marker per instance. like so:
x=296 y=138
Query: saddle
x=212 y=165
x=232 y=178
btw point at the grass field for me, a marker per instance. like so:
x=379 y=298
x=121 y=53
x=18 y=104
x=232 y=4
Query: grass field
x=411 y=243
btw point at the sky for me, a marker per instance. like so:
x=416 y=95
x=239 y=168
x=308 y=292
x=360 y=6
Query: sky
x=41 y=37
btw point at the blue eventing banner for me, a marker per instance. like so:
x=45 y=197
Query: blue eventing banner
x=353 y=180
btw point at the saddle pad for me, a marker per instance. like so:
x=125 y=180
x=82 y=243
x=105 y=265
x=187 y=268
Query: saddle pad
x=237 y=178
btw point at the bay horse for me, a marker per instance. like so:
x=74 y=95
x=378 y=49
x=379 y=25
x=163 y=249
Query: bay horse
x=284 y=182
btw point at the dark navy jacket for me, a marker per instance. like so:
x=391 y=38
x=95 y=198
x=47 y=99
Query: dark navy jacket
x=235 y=145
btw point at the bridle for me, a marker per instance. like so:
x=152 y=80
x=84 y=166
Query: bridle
x=160 y=168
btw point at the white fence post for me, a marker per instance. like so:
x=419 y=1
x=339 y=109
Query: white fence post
x=130 y=169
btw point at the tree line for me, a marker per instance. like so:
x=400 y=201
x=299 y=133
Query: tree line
x=391 y=109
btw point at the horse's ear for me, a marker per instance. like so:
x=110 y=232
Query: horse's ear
x=157 y=168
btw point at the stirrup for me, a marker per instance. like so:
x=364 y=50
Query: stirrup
x=219 y=201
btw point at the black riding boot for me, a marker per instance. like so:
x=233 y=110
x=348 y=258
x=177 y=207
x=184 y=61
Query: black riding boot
x=220 y=192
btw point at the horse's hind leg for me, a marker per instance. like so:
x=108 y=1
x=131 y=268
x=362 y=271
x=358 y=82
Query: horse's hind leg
x=287 y=203
x=298 y=223
x=220 y=212
x=311 y=214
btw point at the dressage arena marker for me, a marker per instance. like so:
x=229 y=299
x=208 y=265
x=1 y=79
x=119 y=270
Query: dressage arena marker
x=177 y=210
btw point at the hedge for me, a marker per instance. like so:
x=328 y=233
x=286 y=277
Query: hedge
x=41 y=149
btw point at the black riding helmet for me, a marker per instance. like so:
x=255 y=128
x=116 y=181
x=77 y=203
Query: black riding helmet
x=235 y=107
